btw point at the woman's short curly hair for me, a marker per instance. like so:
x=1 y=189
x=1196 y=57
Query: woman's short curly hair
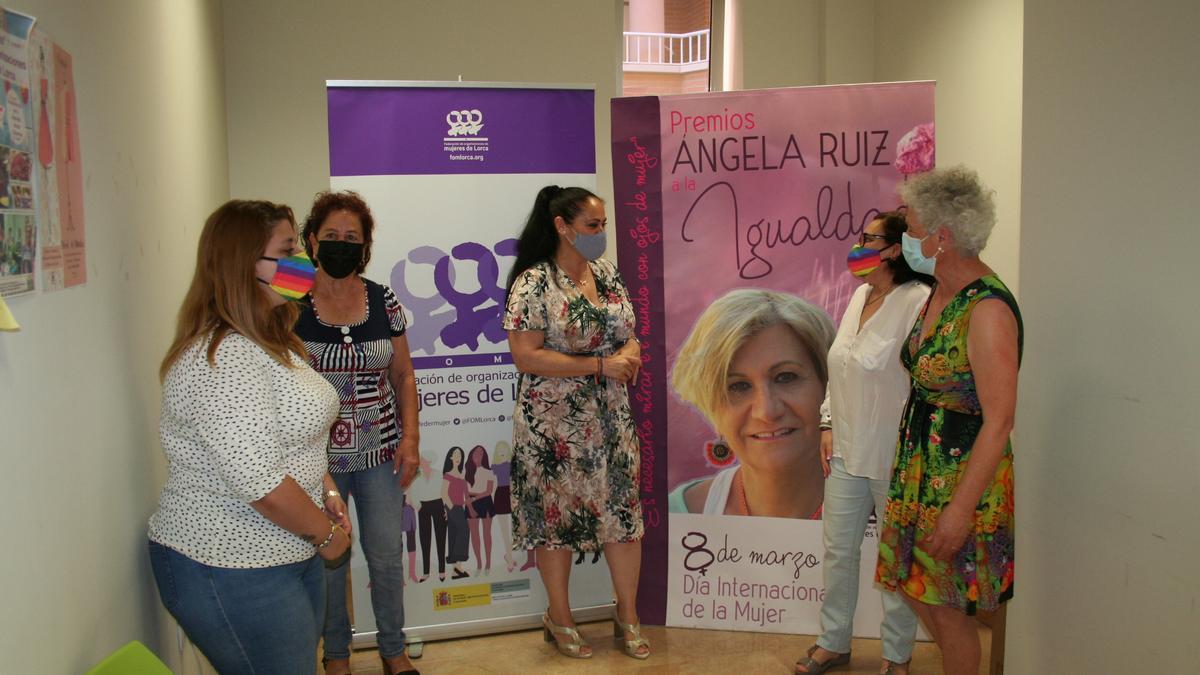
x=956 y=199
x=325 y=204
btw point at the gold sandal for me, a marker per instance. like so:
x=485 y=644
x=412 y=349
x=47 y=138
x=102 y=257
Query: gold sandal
x=573 y=648
x=630 y=647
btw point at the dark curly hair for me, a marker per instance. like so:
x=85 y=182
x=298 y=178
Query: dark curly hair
x=325 y=204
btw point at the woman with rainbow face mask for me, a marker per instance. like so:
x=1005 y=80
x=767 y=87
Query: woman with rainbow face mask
x=859 y=419
x=237 y=541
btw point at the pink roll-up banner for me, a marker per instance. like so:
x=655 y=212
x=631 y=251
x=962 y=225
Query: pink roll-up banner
x=450 y=171
x=767 y=189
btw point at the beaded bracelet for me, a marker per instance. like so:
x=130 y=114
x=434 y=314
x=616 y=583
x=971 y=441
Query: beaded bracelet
x=332 y=529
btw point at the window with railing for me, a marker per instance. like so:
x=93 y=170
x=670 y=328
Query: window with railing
x=666 y=47
x=666 y=52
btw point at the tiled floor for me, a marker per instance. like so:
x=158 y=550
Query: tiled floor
x=676 y=650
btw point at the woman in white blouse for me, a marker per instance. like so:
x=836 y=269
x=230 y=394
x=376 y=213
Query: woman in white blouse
x=867 y=391
x=245 y=517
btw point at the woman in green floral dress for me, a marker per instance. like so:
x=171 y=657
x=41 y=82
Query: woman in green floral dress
x=575 y=451
x=947 y=535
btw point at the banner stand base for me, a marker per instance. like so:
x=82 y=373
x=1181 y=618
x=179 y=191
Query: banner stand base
x=458 y=629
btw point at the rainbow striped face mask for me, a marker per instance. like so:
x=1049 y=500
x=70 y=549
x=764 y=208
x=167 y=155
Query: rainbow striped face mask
x=862 y=260
x=293 y=277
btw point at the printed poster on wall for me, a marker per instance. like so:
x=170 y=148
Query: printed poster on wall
x=18 y=224
x=765 y=189
x=58 y=168
x=450 y=172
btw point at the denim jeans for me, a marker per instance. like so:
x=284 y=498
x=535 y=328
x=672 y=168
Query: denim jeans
x=246 y=621
x=848 y=502
x=379 y=501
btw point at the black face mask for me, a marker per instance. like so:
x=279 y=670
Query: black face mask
x=339 y=259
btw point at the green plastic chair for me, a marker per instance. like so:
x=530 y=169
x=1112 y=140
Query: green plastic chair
x=132 y=659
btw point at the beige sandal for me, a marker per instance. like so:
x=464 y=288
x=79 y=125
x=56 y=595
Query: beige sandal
x=572 y=648
x=630 y=647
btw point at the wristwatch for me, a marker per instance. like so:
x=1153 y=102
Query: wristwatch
x=331 y=494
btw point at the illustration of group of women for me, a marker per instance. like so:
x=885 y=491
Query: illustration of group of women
x=462 y=498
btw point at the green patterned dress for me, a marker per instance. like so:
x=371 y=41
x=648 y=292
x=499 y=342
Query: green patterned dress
x=576 y=457
x=937 y=432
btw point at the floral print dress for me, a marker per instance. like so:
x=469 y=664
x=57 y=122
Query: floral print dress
x=937 y=432
x=575 y=452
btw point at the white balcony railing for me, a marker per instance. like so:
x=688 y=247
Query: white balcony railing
x=666 y=52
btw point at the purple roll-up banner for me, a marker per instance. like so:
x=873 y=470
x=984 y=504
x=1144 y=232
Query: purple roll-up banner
x=637 y=186
x=383 y=131
x=450 y=172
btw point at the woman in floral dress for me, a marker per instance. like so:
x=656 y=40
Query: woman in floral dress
x=947 y=535
x=575 y=452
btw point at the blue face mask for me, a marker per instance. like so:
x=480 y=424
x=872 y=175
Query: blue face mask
x=911 y=247
x=590 y=246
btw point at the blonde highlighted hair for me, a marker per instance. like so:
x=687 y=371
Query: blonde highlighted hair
x=701 y=373
x=225 y=294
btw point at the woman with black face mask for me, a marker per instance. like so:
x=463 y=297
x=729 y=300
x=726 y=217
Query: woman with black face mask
x=353 y=329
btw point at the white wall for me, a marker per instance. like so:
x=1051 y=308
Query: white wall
x=1108 y=466
x=847 y=52
x=78 y=387
x=781 y=43
x=796 y=43
x=973 y=49
x=280 y=52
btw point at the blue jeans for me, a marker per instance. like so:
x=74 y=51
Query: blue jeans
x=848 y=503
x=379 y=501
x=252 y=621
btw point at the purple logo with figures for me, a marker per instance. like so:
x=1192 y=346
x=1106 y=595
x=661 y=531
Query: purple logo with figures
x=460 y=312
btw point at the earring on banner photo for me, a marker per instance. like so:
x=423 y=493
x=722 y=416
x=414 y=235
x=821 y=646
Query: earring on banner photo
x=718 y=453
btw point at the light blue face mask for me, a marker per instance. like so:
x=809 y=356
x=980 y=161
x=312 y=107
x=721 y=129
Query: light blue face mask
x=590 y=246
x=911 y=247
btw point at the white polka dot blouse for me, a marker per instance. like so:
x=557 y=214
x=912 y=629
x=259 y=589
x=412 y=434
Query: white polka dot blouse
x=231 y=433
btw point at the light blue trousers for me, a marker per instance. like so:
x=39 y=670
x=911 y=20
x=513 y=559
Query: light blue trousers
x=848 y=503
